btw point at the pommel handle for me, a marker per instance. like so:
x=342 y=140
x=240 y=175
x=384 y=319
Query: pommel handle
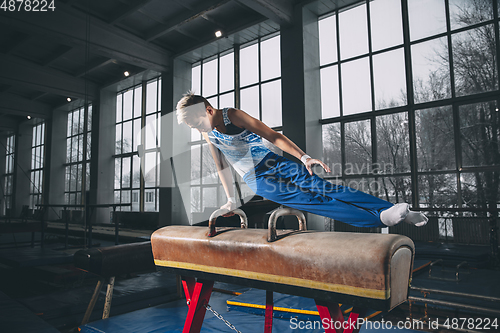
x=282 y=212
x=219 y=212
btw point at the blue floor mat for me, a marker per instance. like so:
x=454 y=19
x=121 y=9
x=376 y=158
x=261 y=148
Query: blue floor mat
x=170 y=317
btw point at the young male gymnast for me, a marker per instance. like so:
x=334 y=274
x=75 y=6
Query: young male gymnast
x=235 y=137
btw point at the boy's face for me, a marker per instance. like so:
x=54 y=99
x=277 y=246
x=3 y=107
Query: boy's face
x=200 y=120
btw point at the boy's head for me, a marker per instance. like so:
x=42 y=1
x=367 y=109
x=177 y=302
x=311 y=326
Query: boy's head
x=191 y=107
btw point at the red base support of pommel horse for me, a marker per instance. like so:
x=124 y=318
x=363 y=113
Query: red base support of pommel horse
x=197 y=297
x=198 y=294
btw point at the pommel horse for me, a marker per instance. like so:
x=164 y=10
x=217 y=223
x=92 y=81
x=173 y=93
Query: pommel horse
x=364 y=270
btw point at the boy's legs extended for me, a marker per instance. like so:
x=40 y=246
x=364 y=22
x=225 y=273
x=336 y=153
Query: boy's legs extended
x=288 y=183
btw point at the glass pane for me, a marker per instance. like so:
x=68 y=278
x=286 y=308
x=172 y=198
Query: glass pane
x=250 y=101
x=118 y=139
x=208 y=170
x=210 y=78
x=74 y=177
x=118 y=165
x=474 y=61
x=271 y=103
x=119 y=98
x=392 y=189
x=435 y=139
x=390 y=85
x=151 y=97
x=37 y=160
x=479 y=134
x=358 y=147
x=438 y=190
x=150 y=169
x=69 y=151
x=466 y=12
x=126 y=198
x=117 y=198
x=226 y=100
x=33 y=159
x=330 y=104
x=249 y=69
x=478 y=189
x=135 y=200
x=136 y=171
x=195 y=200
x=87 y=176
x=356 y=87
x=150 y=130
x=126 y=172
x=353 y=27
x=386 y=23
x=89 y=146
x=327 y=40
x=127 y=104
x=195 y=164
x=393 y=144
x=137 y=134
x=332 y=154
x=81 y=123
x=80 y=148
x=431 y=74
x=270 y=56
x=149 y=200
x=427 y=18
x=42 y=156
x=209 y=197
x=196 y=79
x=89 y=118
x=70 y=124
x=68 y=179
x=213 y=101
x=127 y=137
x=137 y=101
x=227 y=72
x=160 y=91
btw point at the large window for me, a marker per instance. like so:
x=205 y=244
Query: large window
x=258 y=94
x=8 y=178
x=410 y=110
x=37 y=164
x=212 y=78
x=137 y=146
x=78 y=154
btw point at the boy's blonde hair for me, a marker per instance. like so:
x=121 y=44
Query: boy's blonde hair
x=184 y=112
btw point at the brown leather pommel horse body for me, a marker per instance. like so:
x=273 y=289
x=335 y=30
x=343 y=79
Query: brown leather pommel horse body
x=364 y=270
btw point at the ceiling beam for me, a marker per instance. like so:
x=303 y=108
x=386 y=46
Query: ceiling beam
x=94 y=66
x=69 y=26
x=280 y=11
x=18 y=72
x=202 y=9
x=60 y=52
x=127 y=11
x=19 y=106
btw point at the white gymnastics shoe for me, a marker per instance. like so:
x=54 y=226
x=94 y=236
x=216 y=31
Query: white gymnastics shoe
x=397 y=213
x=416 y=218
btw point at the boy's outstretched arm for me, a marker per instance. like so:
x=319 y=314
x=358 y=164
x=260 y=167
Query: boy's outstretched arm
x=225 y=174
x=244 y=120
